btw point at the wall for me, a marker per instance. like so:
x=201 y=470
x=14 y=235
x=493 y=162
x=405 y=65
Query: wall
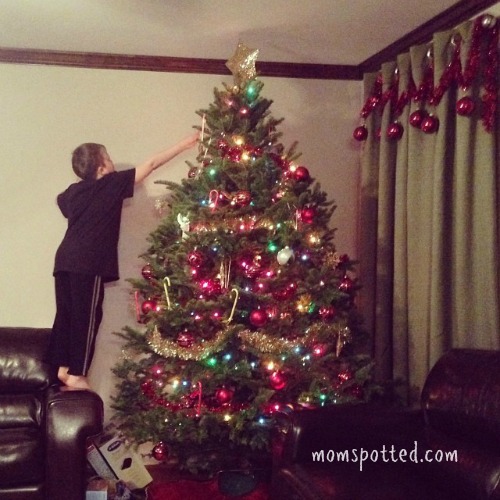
x=47 y=111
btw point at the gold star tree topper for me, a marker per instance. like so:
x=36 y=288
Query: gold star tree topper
x=242 y=64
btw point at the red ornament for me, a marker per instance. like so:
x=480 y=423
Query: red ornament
x=430 y=124
x=244 y=110
x=417 y=117
x=147 y=272
x=224 y=395
x=241 y=198
x=277 y=380
x=222 y=146
x=192 y=172
x=395 y=131
x=210 y=287
x=196 y=259
x=307 y=215
x=319 y=350
x=327 y=312
x=148 y=306
x=346 y=284
x=235 y=154
x=185 y=339
x=160 y=451
x=360 y=133
x=301 y=174
x=157 y=370
x=355 y=391
x=465 y=106
x=258 y=318
x=345 y=375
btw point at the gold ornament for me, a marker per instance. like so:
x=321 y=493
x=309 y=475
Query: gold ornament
x=332 y=259
x=242 y=64
x=304 y=303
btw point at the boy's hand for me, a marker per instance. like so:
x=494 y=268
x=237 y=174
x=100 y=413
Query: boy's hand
x=191 y=140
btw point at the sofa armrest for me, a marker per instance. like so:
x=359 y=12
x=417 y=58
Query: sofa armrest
x=71 y=417
x=347 y=427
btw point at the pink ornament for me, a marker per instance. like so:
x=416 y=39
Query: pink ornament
x=395 y=131
x=430 y=124
x=465 y=106
x=417 y=117
x=360 y=133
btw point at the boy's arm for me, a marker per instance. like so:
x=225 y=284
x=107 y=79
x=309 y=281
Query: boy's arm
x=159 y=159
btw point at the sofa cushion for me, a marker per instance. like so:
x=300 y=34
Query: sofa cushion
x=21 y=456
x=461 y=397
x=19 y=410
x=22 y=367
x=382 y=482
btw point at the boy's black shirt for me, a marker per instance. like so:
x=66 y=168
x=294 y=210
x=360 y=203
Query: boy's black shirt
x=93 y=209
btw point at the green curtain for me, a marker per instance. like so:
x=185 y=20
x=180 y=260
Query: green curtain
x=429 y=212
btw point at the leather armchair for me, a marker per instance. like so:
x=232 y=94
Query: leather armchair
x=43 y=427
x=451 y=445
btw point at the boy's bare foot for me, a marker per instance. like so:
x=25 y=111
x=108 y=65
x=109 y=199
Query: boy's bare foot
x=62 y=374
x=77 y=382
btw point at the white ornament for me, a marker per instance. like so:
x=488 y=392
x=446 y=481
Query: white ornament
x=284 y=256
x=183 y=221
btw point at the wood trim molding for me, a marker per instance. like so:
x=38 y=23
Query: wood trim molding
x=174 y=64
x=456 y=14
x=461 y=11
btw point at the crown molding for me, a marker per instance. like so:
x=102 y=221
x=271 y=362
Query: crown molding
x=448 y=19
x=461 y=11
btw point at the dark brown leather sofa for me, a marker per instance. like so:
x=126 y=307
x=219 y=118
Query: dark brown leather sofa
x=43 y=427
x=448 y=450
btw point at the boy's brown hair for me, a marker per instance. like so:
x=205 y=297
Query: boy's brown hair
x=86 y=159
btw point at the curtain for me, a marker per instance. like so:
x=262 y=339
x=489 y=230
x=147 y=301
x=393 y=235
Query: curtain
x=429 y=203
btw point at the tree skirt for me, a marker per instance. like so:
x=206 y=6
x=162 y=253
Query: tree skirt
x=199 y=490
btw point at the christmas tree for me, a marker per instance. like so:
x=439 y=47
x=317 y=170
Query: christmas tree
x=245 y=307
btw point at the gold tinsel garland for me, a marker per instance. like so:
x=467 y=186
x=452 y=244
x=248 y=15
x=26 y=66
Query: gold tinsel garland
x=197 y=352
x=275 y=345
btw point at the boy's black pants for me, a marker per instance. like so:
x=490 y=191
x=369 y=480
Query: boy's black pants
x=79 y=300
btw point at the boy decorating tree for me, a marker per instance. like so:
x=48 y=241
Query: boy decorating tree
x=88 y=254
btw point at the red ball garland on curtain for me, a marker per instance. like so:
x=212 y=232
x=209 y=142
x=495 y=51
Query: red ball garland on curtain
x=485 y=30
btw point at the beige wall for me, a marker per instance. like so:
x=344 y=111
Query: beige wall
x=45 y=112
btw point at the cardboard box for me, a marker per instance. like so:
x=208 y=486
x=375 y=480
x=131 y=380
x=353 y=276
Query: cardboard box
x=120 y=458
x=97 y=489
x=96 y=460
